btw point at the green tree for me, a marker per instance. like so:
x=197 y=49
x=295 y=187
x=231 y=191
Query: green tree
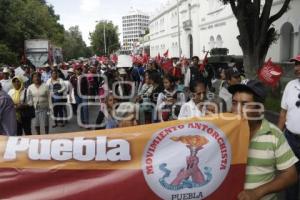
x=30 y=19
x=111 y=37
x=254 y=21
x=74 y=46
x=7 y=55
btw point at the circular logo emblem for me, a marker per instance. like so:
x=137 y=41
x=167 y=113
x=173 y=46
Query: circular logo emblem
x=188 y=161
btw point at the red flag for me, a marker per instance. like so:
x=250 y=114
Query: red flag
x=167 y=65
x=140 y=59
x=270 y=73
x=145 y=58
x=166 y=54
x=114 y=58
x=134 y=58
x=204 y=63
x=158 y=58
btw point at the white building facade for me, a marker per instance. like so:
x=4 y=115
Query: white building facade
x=134 y=26
x=207 y=24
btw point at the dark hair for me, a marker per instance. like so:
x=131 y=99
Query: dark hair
x=36 y=74
x=155 y=76
x=195 y=57
x=196 y=83
x=170 y=78
x=256 y=98
x=54 y=71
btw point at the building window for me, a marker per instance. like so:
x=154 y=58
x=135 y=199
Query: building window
x=219 y=41
x=286 y=41
x=211 y=42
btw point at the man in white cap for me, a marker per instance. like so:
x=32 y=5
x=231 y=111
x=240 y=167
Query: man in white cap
x=6 y=81
x=46 y=75
x=289 y=121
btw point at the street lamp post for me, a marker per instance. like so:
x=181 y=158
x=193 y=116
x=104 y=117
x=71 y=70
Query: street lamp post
x=178 y=18
x=104 y=34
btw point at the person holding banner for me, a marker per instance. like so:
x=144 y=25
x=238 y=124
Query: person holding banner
x=170 y=100
x=106 y=118
x=289 y=120
x=271 y=161
x=126 y=114
x=193 y=107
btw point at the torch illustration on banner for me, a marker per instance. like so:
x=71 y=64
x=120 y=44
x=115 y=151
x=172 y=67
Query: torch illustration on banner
x=191 y=176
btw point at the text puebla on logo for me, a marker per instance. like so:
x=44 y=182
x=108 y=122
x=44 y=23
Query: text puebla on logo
x=187 y=161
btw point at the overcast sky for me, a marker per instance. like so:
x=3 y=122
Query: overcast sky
x=85 y=13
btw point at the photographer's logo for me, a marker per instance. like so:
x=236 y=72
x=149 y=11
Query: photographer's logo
x=187 y=161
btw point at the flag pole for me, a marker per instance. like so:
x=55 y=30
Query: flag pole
x=178 y=22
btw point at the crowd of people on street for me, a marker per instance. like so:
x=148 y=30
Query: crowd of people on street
x=151 y=92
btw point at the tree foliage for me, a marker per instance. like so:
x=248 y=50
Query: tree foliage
x=112 y=38
x=27 y=19
x=74 y=46
x=254 y=21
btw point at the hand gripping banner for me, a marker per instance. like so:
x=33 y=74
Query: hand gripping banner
x=201 y=158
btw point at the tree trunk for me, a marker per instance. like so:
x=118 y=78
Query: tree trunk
x=252 y=62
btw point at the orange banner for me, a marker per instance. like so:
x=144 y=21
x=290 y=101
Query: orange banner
x=191 y=159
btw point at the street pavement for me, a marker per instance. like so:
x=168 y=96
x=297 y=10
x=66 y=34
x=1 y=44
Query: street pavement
x=72 y=125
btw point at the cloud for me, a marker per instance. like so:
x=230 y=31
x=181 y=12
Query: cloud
x=90 y=5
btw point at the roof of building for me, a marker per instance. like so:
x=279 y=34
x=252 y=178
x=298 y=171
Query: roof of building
x=134 y=11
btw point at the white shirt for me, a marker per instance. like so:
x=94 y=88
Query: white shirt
x=6 y=85
x=40 y=96
x=189 y=110
x=227 y=97
x=288 y=103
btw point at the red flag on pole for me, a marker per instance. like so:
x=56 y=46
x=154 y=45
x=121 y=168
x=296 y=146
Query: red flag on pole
x=158 y=58
x=204 y=63
x=270 y=73
x=167 y=65
x=114 y=58
x=145 y=58
x=166 y=54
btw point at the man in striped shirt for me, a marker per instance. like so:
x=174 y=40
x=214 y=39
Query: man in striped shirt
x=271 y=162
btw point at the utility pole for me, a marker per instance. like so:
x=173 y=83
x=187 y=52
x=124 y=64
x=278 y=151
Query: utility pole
x=178 y=18
x=104 y=34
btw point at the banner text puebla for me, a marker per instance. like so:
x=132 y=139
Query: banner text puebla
x=193 y=159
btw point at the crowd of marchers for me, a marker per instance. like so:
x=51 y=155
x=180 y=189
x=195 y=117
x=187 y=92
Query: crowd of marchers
x=152 y=92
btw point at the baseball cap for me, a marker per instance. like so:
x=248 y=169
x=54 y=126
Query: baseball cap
x=122 y=71
x=233 y=72
x=71 y=70
x=254 y=86
x=125 y=110
x=6 y=70
x=296 y=59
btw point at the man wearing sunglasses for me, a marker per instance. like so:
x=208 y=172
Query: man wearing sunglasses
x=289 y=121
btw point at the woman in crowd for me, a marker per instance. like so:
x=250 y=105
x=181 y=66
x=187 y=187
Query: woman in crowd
x=105 y=119
x=39 y=95
x=21 y=102
x=147 y=111
x=215 y=105
x=170 y=100
x=194 y=107
x=143 y=98
x=57 y=88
